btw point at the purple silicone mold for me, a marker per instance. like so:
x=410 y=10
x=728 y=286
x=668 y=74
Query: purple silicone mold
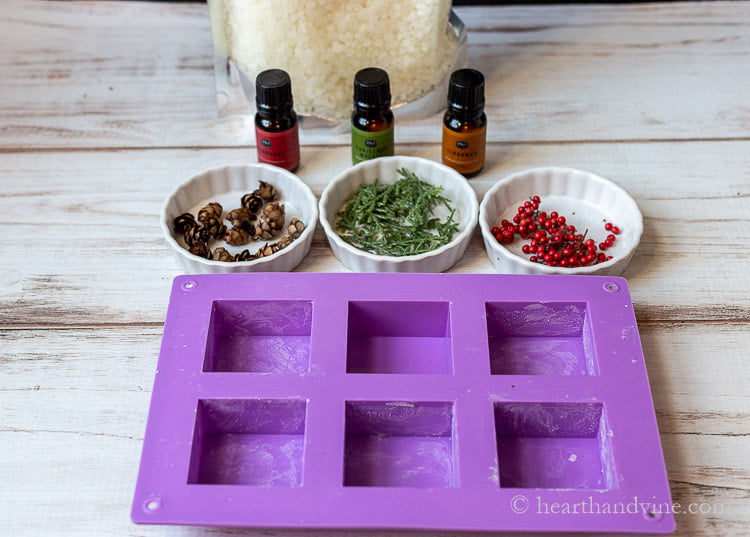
x=422 y=401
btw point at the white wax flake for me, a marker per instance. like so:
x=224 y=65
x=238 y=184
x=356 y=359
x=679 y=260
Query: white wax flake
x=573 y=457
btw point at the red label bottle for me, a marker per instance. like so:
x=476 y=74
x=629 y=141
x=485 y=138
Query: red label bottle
x=276 y=126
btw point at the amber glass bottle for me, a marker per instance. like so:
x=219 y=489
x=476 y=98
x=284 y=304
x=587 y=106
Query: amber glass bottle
x=276 y=127
x=464 y=123
x=372 y=119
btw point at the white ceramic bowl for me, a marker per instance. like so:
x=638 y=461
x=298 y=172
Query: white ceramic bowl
x=455 y=187
x=585 y=199
x=227 y=185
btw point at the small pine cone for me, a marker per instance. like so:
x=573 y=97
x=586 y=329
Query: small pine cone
x=266 y=191
x=272 y=220
x=247 y=225
x=243 y=213
x=237 y=236
x=215 y=228
x=295 y=228
x=244 y=255
x=200 y=249
x=184 y=222
x=252 y=202
x=266 y=250
x=221 y=254
x=196 y=234
x=212 y=210
x=285 y=241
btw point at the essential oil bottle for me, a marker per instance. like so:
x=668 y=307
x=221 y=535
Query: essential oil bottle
x=464 y=123
x=372 y=119
x=276 y=127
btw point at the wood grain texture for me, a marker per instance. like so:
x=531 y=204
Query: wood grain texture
x=99 y=74
x=79 y=432
x=104 y=258
x=106 y=106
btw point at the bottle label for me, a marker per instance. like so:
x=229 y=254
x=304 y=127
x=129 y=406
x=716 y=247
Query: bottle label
x=464 y=151
x=371 y=144
x=278 y=148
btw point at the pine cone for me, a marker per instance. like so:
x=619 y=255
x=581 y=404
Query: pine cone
x=212 y=210
x=272 y=220
x=252 y=202
x=266 y=250
x=184 y=222
x=200 y=249
x=285 y=241
x=247 y=225
x=196 y=234
x=245 y=255
x=266 y=191
x=295 y=228
x=237 y=236
x=221 y=254
x=215 y=228
x=243 y=213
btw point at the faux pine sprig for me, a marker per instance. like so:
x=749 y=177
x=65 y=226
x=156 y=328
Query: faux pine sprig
x=397 y=219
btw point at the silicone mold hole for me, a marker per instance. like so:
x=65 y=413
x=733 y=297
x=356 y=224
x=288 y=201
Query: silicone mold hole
x=539 y=339
x=248 y=442
x=394 y=444
x=553 y=445
x=151 y=505
x=259 y=336
x=399 y=337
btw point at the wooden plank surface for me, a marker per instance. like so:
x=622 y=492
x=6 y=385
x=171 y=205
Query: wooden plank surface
x=104 y=256
x=140 y=75
x=106 y=106
x=75 y=437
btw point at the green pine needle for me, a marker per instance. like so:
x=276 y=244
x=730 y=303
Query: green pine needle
x=397 y=219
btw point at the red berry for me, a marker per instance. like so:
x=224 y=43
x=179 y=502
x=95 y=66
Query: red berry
x=608 y=226
x=615 y=230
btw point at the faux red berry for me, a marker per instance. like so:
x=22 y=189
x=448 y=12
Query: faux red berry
x=551 y=240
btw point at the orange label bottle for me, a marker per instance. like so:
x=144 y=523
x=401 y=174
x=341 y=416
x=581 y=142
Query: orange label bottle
x=465 y=123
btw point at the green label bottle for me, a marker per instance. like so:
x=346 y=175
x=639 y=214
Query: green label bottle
x=372 y=119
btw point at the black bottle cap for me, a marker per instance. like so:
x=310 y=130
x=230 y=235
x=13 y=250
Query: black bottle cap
x=273 y=90
x=466 y=91
x=372 y=89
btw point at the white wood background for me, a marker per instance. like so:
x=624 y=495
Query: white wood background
x=105 y=106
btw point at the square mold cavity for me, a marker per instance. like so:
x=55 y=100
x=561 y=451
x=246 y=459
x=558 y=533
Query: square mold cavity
x=553 y=445
x=259 y=336
x=256 y=442
x=399 y=444
x=399 y=337
x=539 y=339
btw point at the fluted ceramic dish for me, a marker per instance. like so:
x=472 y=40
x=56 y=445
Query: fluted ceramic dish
x=455 y=187
x=227 y=185
x=587 y=200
